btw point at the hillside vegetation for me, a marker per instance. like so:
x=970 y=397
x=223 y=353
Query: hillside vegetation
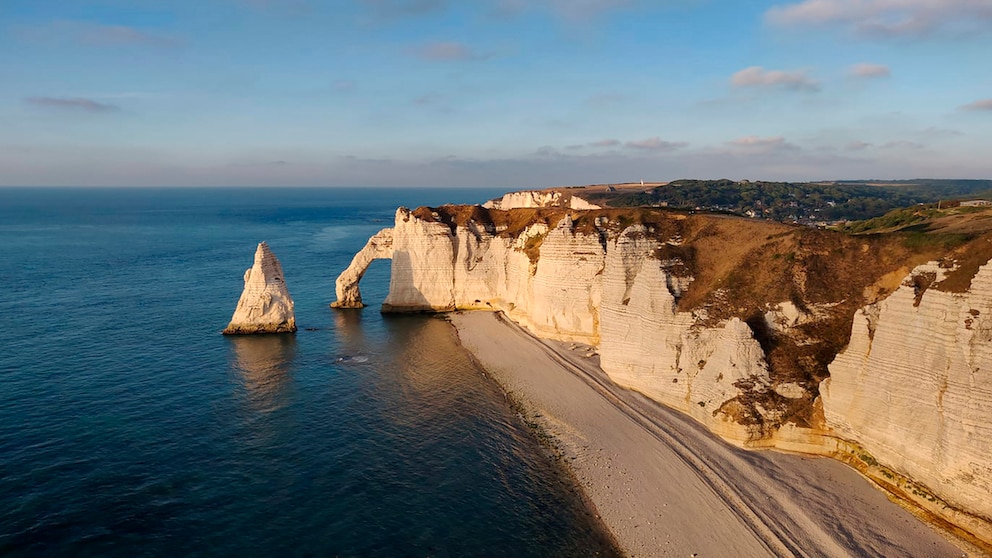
x=802 y=202
x=744 y=268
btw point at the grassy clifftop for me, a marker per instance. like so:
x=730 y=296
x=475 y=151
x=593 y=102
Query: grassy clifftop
x=745 y=268
x=803 y=202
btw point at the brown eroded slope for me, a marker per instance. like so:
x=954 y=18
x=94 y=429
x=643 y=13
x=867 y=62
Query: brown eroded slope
x=746 y=268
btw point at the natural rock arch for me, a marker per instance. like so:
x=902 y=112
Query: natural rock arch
x=379 y=247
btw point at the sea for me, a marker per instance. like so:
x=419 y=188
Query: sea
x=129 y=426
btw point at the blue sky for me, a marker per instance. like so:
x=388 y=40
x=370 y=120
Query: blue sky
x=504 y=93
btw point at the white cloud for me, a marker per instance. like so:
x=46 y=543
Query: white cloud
x=603 y=100
x=869 y=71
x=655 y=144
x=581 y=9
x=756 y=76
x=92 y=34
x=75 y=103
x=857 y=146
x=404 y=8
x=935 y=132
x=755 y=144
x=575 y=10
x=605 y=143
x=984 y=104
x=571 y=10
x=902 y=144
x=887 y=17
x=89 y=165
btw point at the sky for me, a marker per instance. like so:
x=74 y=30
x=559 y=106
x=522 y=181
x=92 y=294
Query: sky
x=494 y=93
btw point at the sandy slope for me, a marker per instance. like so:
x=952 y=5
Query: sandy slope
x=666 y=487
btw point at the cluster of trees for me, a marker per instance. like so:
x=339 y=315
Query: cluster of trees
x=801 y=201
x=894 y=219
x=934 y=188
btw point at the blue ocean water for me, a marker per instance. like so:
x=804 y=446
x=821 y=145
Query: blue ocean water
x=130 y=427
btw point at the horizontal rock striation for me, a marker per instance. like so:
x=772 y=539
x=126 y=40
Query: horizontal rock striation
x=738 y=324
x=265 y=305
x=648 y=345
x=914 y=388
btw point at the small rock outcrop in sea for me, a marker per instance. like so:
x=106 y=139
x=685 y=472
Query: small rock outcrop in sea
x=265 y=305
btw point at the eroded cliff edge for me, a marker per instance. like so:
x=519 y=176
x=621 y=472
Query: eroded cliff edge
x=874 y=350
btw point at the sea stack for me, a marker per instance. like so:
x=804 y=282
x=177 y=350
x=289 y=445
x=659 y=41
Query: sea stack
x=265 y=305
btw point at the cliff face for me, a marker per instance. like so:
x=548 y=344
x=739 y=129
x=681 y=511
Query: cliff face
x=647 y=344
x=597 y=282
x=438 y=267
x=547 y=198
x=914 y=387
x=735 y=323
x=265 y=305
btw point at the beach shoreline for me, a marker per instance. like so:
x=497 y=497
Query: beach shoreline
x=553 y=449
x=664 y=486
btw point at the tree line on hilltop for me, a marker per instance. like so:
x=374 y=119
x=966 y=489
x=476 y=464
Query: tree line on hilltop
x=807 y=202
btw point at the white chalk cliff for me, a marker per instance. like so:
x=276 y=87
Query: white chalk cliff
x=532 y=198
x=912 y=390
x=380 y=246
x=265 y=305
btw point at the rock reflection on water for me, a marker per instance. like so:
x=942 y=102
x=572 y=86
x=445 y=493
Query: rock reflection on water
x=351 y=336
x=348 y=327
x=262 y=363
x=435 y=372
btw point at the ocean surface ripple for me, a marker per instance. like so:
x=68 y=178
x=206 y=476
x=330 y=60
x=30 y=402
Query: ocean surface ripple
x=130 y=427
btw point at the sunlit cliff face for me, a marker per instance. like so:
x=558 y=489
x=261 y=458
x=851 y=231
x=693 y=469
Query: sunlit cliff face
x=735 y=322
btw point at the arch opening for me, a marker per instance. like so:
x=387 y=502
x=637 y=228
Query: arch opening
x=348 y=294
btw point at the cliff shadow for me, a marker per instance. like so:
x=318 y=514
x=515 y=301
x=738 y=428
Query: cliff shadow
x=410 y=298
x=351 y=344
x=762 y=333
x=348 y=328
